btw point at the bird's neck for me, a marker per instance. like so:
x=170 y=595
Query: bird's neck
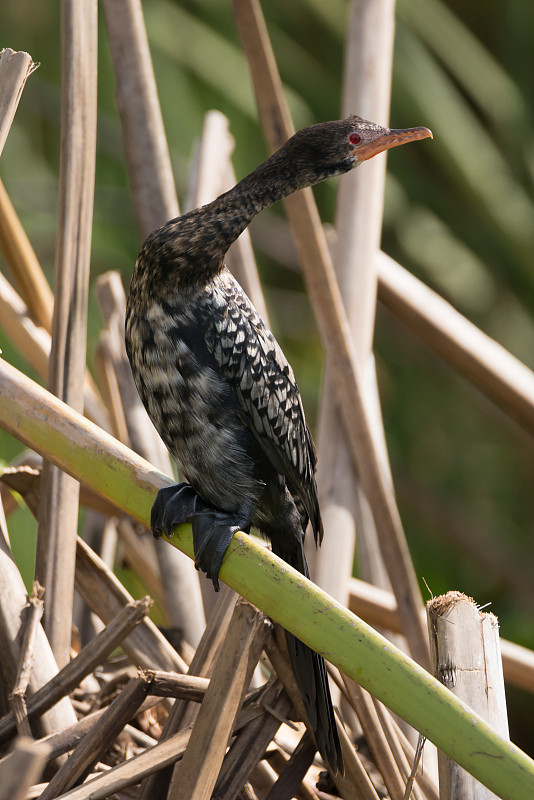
x=271 y=181
x=189 y=252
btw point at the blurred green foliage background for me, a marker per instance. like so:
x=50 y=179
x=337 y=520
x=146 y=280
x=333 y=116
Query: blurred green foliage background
x=459 y=213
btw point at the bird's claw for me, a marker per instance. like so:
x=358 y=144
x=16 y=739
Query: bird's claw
x=212 y=529
x=172 y=506
x=212 y=533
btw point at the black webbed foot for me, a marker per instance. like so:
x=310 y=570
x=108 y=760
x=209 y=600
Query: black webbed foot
x=212 y=529
x=212 y=533
x=172 y=506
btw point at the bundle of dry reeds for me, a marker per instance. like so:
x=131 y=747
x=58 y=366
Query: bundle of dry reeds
x=211 y=708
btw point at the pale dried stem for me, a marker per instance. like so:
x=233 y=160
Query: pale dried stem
x=97 y=741
x=109 y=386
x=356 y=778
x=132 y=771
x=145 y=145
x=27 y=658
x=252 y=741
x=13 y=600
x=162 y=684
x=26 y=480
x=328 y=307
x=33 y=342
x=464 y=644
x=362 y=703
x=358 y=222
x=146 y=647
x=26 y=269
x=184 y=713
x=21 y=768
x=139 y=553
x=405 y=756
x=356 y=781
x=84 y=663
x=58 y=513
x=15 y=68
x=292 y=773
x=195 y=777
x=493 y=370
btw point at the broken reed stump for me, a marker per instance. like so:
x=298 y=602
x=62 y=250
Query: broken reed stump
x=465 y=651
x=21 y=768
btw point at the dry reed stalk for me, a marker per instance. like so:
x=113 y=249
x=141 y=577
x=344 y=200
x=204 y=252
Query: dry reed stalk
x=20 y=256
x=146 y=647
x=180 y=581
x=132 y=771
x=369 y=52
x=209 y=173
x=419 y=783
x=13 y=600
x=414 y=755
x=328 y=307
x=162 y=684
x=170 y=684
x=15 y=68
x=109 y=386
x=252 y=741
x=362 y=703
x=356 y=781
x=262 y=778
x=27 y=659
x=39 y=299
x=26 y=480
x=139 y=552
x=58 y=514
x=278 y=761
x=147 y=154
x=493 y=370
x=293 y=772
x=276 y=651
x=21 y=768
x=83 y=664
x=183 y=713
x=464 y=644
x=379 y=608
x=94 y=745
x=33 y=342
x=195 y=777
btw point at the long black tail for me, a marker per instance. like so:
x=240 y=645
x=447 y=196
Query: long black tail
x=309 y=669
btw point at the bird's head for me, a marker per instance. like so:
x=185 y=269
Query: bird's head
x=332 y=148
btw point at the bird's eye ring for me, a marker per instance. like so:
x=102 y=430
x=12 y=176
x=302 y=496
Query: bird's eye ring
x=355 y=138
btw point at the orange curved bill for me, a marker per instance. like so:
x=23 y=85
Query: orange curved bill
x=386 y=139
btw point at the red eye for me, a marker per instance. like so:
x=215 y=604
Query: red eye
x=355 y=138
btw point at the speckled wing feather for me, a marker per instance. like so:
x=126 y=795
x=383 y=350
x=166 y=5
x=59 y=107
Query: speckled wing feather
x=255 y=366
